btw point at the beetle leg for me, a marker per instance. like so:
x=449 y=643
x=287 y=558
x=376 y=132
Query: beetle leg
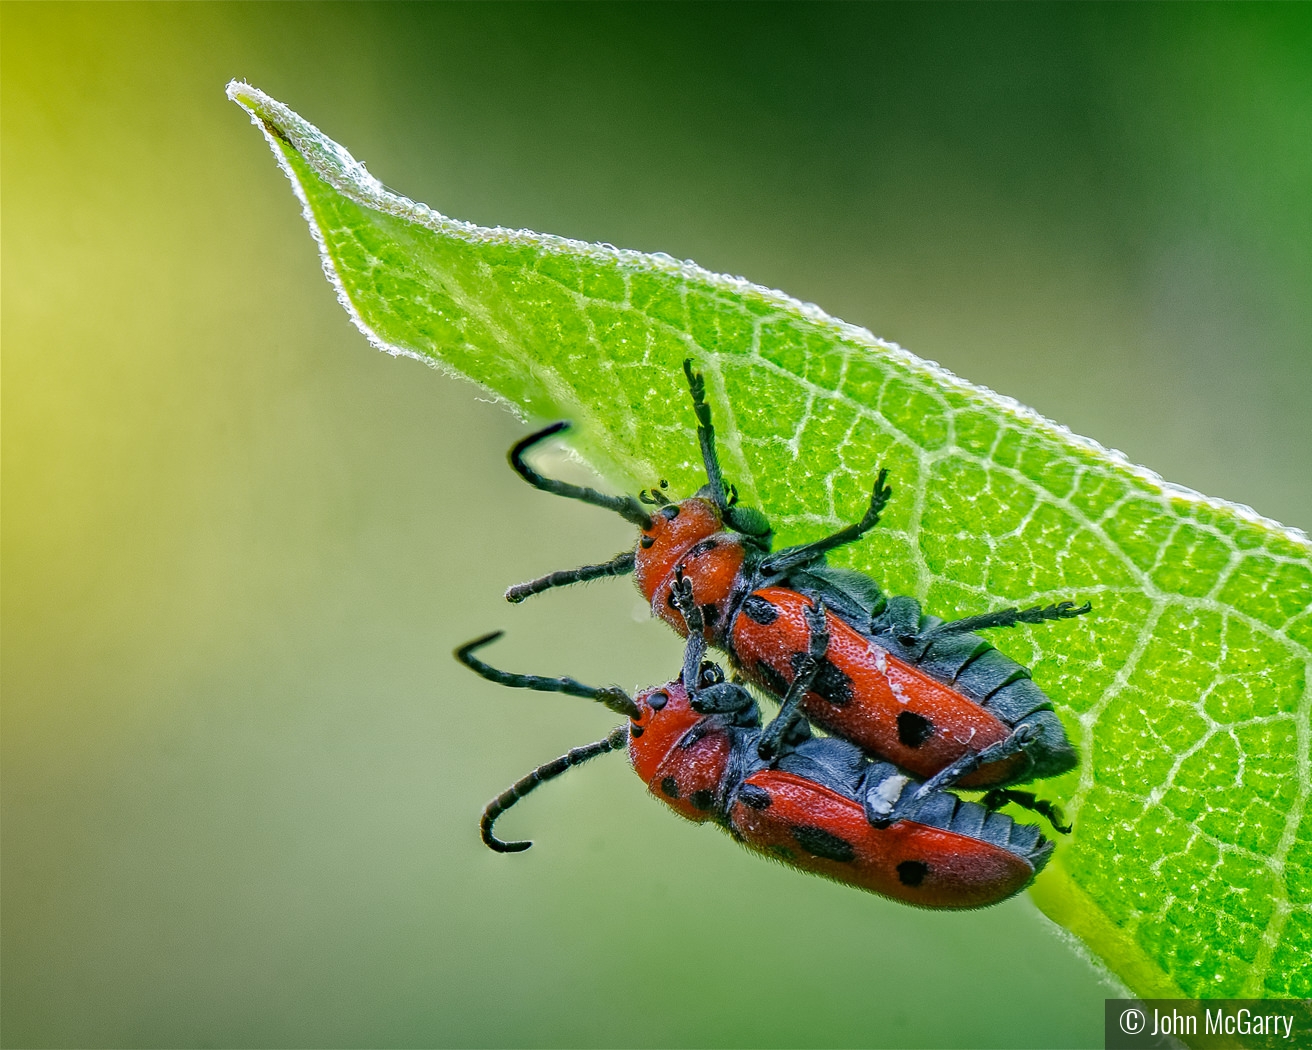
x=999 y=797
x=681 y=597
x=685 y=604
x=965 y=765
x=793 y=557
x=782 y=724
x=1010 y=617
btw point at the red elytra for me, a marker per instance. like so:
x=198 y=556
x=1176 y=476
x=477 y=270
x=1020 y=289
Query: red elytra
x=811 y=810
x=882 y=686
x=884 y=692
x=945 y=869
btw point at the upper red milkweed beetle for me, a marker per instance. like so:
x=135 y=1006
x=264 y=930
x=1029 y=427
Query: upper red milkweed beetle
x=933 y=697
x=821 y=805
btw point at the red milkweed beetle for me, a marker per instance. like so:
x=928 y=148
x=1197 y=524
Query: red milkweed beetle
x=820 y=805
x=931 y=696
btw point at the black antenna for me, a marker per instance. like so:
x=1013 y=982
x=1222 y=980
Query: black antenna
x=612 y=695
x=620 y=565
x=575 y=757
x=626 y=507
x=706 y=435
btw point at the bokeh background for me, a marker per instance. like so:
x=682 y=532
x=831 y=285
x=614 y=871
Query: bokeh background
x=241 y=773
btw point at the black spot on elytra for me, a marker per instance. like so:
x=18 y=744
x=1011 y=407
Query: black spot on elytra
x=754 y=797
x=710 y=614
x=912 y=872
x=821 y=843
x=658 y=700
x=636 y=731
x=773 y=680
x=913 y=729
x=646 y=542
x=759 y=610
x=670 y=512
x=698 y=549
x=830 y=683
x=670 y=787
x=701 y=799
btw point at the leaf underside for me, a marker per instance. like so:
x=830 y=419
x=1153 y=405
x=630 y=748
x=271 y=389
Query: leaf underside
x=1187 y=691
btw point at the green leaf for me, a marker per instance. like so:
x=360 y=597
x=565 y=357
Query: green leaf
x=1190 y=869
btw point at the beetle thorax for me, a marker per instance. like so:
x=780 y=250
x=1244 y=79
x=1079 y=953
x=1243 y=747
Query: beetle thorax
x=690 y=536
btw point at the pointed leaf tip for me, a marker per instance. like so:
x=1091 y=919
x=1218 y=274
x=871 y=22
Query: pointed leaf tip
x=1187 y=690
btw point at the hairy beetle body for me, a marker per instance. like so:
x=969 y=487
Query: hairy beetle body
x=821 y=806
x=935 y=698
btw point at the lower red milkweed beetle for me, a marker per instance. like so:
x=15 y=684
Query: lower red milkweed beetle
x=934 y=697
x=820 y=805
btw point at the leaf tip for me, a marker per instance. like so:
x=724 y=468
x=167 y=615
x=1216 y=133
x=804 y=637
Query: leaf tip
x=245 y=95
x=266 y=112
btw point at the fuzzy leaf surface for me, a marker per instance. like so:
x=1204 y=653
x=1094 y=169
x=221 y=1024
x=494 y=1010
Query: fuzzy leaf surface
x=1187 y=691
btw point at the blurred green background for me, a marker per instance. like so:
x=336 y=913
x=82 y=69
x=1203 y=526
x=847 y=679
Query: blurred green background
x=241 y=773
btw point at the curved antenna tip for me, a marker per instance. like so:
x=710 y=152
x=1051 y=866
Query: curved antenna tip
x=462 y=653
x=496 y=844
